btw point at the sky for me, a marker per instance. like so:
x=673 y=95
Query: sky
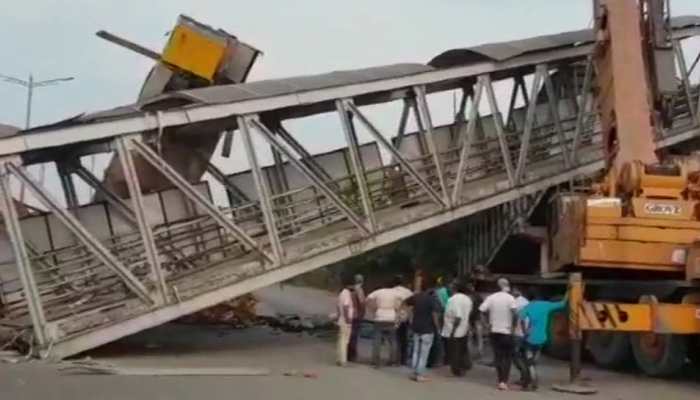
x=55 y=38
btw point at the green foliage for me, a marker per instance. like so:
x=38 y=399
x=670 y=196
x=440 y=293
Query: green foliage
x=435 y=252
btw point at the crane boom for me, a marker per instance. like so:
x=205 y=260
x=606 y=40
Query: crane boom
x=625 y=93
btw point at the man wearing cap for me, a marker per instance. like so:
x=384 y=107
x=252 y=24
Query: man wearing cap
x=500 y=308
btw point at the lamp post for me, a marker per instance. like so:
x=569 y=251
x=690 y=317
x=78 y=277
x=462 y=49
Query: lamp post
x=31 y=84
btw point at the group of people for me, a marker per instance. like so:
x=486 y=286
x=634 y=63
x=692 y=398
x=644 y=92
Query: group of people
x=435 y=323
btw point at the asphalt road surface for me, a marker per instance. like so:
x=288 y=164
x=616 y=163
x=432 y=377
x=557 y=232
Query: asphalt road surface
x=177 y=345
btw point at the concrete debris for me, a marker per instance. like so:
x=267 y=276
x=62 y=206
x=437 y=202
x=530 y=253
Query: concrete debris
x=304 y=374
x=14 y=339
x=296 y=323
x=91 y=367
x=239 y=312
x=11 y=356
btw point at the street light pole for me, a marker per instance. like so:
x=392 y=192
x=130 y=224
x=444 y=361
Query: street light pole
x=30 y=84
x=28 y=113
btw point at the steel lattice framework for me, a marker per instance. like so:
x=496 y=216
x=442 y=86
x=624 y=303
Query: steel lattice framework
x=90 y=274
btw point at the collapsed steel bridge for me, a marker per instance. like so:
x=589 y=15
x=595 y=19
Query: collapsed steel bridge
x=84 y=275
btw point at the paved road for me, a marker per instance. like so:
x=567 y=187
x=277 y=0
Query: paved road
x=182 y=345
x=216 y=346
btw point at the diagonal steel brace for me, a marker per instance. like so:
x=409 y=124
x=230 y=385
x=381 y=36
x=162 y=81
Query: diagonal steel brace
x=397 y=155
x=72 y=223
x=315 y=180
x=193 y=195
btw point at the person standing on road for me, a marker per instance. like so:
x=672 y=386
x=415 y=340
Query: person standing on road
x=385 y=304
x=442 y=291
x=519 y=353
x=426 y=311
x=500 y=307
x=438 y=354
x=534 y=318
x=476 y=328
x=346 y=313
x=403 y=328
x=455 y=329
x=358 y=299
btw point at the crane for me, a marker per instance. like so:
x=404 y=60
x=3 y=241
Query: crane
x=639 y=223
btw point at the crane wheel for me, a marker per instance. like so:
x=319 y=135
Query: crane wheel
x=659 y=355
x=559 y=345
x=610 y=349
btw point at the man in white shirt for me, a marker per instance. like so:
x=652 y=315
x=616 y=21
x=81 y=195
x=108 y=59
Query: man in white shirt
x=455 y=329
x=385 y=304
x=501 y=310
x=346 y=313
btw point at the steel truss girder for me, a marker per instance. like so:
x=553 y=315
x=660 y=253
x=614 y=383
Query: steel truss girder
x=82 y=234
x=529 y=122
x=296 y=266
x=523 y=208
x=401 y=130
x=64 y=174
x=498 y=123
x=119 y=205
x=466 y=149
x=420 y=134
x=193 y=195
x=582 y=109
x=459 y=120
x=280 y=176
x=234 y=192
x=313 y=178
x=492 y=227
x=227 y=143
x=518 y=87
x=553 y=101
x=263 y=191
x=24 y=270
x=427 y=128
x=396 y=154
x=305 y=156
x=112 y=199
x=358 y=167
x=149 y=245
x=685 y=78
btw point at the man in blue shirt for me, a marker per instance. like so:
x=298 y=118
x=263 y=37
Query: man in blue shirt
x=534 y=320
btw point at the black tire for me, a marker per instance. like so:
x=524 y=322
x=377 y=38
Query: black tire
x=610 y=349
x=659 y=355
x=559 y=345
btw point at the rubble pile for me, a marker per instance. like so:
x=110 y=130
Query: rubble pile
x=297 y=323
x=239 y=312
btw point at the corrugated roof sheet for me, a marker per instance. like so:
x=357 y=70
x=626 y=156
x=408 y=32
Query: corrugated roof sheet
x=277 y=87
x=505 y=50
x=247 y=91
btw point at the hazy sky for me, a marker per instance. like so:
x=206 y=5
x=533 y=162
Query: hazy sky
x=55 y=38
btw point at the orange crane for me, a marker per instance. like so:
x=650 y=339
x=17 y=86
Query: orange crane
x=642 y=219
